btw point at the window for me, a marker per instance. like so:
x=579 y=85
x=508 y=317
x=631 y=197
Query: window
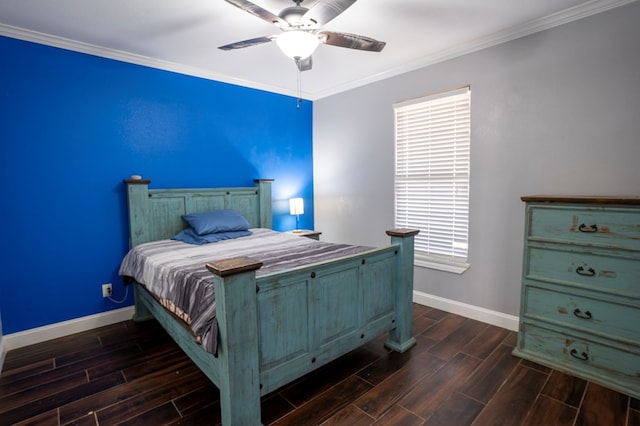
x=432 y=176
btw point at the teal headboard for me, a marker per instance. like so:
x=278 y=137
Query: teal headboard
x=156 y=214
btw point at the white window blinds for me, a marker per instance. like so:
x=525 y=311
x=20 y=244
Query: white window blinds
x=432 y=174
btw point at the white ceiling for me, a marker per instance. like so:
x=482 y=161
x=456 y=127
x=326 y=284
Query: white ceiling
x=183 y=35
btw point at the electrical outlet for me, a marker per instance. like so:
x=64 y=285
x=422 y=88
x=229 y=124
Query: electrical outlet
x=107 y=290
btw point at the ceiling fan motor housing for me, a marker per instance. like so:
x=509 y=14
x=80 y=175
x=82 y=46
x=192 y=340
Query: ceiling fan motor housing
x=293 y=15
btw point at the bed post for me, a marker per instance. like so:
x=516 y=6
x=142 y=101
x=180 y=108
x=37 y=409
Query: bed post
x=264 y=202
x=237 y=316
x=400 y=338
x=138 y=202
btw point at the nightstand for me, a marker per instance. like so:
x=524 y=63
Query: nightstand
x=314 y=235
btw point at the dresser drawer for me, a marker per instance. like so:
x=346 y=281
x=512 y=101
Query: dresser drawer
x=590 y=314
x=610 y=227
x=569 y=353
x=593 y=271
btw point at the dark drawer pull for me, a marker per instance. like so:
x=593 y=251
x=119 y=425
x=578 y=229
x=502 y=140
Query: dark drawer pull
x=585 y=228
x=587 y=273
x=579 y=314
x=583 y=356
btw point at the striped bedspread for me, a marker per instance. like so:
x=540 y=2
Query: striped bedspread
x=175 y=273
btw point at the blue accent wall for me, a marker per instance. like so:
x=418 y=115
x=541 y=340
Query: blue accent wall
x=73 y=126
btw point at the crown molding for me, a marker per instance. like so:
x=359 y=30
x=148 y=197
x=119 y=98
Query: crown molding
x=132 y=58
x=584 y=10
x=575 y=13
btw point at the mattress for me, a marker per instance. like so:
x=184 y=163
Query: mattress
x=175 y=273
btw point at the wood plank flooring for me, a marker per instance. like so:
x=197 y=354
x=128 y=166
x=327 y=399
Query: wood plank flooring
x=460 y=373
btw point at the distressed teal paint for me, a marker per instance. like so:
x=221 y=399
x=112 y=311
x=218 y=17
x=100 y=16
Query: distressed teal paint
x=580 y=301
x=280 y=326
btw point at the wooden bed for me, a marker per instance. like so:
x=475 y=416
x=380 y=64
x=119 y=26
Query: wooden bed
x=276 y=328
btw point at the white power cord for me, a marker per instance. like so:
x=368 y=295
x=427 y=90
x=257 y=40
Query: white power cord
x=119 y=302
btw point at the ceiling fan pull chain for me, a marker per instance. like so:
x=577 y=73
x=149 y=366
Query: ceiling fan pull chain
x=299 y=88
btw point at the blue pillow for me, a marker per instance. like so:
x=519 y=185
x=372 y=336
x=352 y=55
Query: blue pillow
x=216 y=221
x=190 y=236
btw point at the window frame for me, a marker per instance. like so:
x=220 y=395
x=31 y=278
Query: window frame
x=421 y=121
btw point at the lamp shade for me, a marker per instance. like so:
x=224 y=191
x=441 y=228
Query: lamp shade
x=297 y=44
x=296 y=206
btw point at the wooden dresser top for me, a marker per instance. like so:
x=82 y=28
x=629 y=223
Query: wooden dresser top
x=581 y=199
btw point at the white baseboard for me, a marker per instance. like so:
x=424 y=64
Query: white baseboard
x=61 y=329
x=498 y=319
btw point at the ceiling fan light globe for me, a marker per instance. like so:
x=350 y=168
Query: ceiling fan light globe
x=297 y=44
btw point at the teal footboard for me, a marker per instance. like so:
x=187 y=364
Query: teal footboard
x=287 y=324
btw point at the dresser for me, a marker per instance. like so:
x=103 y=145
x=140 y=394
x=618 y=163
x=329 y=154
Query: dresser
x=580 y=296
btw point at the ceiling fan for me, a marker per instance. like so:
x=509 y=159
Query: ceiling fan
x=301 y=30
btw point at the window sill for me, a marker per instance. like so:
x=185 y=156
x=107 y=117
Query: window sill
x=445 y=265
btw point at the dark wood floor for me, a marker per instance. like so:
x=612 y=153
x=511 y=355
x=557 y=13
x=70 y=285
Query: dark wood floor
x=461 y=372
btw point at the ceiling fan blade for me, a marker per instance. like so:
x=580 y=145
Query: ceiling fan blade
x=258 y=11
x=351 y=41
x=246 y=43
x=324 y=11
x=304 y=64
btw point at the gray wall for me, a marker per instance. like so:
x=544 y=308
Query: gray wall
x=556 y=112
